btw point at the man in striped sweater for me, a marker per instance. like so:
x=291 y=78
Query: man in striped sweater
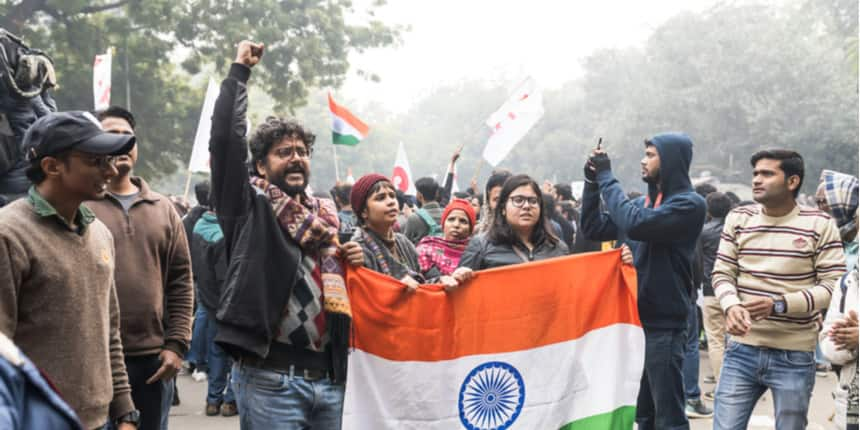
x=775 y=271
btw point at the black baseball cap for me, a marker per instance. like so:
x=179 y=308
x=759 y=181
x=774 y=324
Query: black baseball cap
x=60 y=131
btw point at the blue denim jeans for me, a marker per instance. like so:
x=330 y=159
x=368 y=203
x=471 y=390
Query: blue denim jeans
x=167 y=392
x=661 y=399
x=269 y=400
x=691 y=354
x=749 y=371
x=201 y=338
x=220 y=365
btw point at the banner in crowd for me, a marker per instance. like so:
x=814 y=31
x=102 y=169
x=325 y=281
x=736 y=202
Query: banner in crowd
x=402 y=176
x=346 y=128
x=513 y=120
x=101 y=81
x=200 y=151
x=555 y=344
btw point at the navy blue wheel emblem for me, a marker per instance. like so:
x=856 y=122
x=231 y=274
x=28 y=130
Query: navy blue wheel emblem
x=491 y=397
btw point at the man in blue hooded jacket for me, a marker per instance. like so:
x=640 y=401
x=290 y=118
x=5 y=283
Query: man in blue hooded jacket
x=661 y=228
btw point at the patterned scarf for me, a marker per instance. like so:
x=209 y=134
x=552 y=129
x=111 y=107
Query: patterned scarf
x=392 y=258
x=841 y=191
x=440 y=253
x=313 y=224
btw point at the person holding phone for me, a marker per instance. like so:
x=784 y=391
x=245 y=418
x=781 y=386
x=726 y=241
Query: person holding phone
x=661 y=228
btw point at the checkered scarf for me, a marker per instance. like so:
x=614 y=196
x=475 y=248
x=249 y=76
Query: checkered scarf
x=313 y=224
x=840 y=190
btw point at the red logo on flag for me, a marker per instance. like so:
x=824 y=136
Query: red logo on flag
x=400 y=179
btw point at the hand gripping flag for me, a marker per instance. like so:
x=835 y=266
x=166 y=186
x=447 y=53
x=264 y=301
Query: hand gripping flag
x=513 y=120
x=555 y=344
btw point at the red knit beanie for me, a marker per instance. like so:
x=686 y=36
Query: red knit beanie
x=360 y=190
x=462 y=205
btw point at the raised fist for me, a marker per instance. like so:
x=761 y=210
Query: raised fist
x=249 y=53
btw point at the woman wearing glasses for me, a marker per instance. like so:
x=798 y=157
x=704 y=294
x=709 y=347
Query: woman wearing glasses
x=519 y=233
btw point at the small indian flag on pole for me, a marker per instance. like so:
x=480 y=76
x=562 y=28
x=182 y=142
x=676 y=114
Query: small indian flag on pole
x=346 y=129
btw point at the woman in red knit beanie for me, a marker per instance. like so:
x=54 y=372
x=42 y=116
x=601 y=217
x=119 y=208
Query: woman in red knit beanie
x=374 y=203
x=443 y=254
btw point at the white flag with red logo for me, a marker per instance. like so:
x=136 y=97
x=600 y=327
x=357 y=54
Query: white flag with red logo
x=101 y=81
x=513 y=120
x=402 y=176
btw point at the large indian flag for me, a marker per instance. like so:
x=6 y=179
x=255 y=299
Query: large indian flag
x=346 y=128
x=555 y=344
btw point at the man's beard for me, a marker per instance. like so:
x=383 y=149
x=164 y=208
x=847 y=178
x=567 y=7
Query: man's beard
x=291 y=190
x=651 y=179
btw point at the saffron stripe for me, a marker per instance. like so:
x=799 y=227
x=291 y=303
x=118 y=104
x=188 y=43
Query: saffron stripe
x=500 y=324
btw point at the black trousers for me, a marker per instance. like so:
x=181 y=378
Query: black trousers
x=150 y=399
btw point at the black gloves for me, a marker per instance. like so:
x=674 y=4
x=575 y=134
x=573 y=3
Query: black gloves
x=590 y=175
x=600 y=162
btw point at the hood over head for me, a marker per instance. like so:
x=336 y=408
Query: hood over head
x=676 y=154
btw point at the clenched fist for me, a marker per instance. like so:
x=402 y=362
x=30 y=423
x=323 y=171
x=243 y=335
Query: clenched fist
x=249 y=53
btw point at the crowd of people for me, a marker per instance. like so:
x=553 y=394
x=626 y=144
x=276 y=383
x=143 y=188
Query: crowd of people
x=107 y=292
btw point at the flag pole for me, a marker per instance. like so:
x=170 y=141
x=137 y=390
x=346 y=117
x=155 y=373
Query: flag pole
x=478 y=170
x=187 y=186
x=336 y=171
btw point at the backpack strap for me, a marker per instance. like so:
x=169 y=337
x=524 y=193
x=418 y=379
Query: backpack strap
x=431 y=223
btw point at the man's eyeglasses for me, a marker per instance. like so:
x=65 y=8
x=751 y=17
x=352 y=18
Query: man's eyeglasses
x=101 y=161
x=288 y=151
x=520 y=201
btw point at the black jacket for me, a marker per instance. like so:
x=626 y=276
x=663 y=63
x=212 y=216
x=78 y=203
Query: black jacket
x=482 y=254
x=709 y=242
x=662 y=238
x=263 y=263
x=209 y=259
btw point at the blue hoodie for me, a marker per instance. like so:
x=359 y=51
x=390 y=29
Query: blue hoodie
x=663 y=239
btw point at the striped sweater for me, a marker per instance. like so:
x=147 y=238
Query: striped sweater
x=797 y=256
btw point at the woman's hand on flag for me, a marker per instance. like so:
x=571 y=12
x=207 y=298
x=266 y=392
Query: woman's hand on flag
x=626 y=255
x=411 y=284
x=352 y=253
x=456 y=279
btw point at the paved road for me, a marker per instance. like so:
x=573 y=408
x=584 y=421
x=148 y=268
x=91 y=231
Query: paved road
x=189 y=415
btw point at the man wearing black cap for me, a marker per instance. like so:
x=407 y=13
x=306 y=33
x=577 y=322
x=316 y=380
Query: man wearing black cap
x=58 y=299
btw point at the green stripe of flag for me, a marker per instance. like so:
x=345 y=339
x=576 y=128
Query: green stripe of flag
x=344 y=139
x=619 y=419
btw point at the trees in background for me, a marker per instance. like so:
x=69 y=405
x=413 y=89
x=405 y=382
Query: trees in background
x=736 y=78
x=308 y=43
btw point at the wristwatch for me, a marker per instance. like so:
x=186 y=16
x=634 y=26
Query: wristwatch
x=132 y=417
x=779 y=305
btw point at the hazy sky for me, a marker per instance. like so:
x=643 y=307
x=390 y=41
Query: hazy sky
x=491 y=40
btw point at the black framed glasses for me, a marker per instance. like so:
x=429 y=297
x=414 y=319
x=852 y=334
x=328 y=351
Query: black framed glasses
x=288 y=152
x=520 y=201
